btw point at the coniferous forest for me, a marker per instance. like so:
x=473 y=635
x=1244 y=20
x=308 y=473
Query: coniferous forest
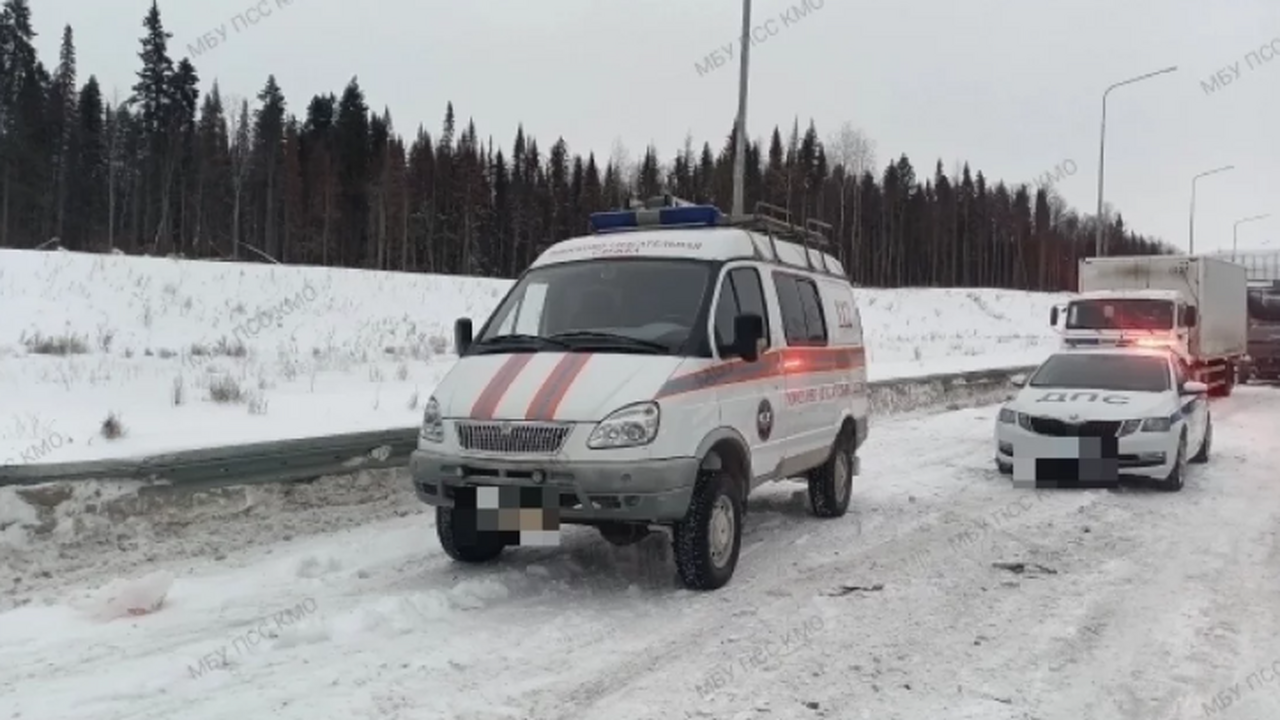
x=171 y=171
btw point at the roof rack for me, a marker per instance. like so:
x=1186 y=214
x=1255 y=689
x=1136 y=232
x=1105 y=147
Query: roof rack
x=775 y=222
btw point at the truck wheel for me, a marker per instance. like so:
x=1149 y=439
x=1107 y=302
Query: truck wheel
x=458 y=537
x=1174 y=482
x=1202 y=456
x=1229 y=380
x=707 y=540
x=831 y=484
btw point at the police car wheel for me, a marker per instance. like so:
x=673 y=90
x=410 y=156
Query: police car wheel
x=706 y=542
x=1202 y=456
x=1174 y=482
x=458 y=537
x=831 y=484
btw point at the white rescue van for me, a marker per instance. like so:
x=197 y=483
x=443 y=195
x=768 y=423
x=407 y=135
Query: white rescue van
x=647 y=378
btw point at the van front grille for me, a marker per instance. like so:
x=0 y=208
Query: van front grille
x=512 y=437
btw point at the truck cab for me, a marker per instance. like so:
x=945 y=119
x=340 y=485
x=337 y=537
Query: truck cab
x=1120 y=318
x=1263 y=362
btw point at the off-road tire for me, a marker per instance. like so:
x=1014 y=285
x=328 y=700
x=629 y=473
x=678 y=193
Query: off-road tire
x=1206 y=447
x=1177 y=477
x=459 y=540
x=691 y=540
x=831 y=484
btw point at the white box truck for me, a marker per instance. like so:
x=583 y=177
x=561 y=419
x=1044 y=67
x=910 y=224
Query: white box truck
x=1196 y=305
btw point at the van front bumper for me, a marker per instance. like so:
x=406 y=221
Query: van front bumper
x=655 y=491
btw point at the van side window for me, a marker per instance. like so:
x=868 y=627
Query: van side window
x=740 y=292
x=801 y=307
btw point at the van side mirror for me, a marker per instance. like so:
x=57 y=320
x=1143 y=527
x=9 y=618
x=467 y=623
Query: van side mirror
x=1018 y=380
x=748 y=331
x=462 y=336
x=1053 y=316
x=1190 y=316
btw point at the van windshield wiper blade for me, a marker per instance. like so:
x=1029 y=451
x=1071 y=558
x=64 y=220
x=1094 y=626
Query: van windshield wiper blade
x=518 y=341
x=612 y=339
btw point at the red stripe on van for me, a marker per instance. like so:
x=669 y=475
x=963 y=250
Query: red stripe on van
x=556 y=386
x=487 y=403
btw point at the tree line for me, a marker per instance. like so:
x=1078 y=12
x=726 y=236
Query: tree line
x=170 y=171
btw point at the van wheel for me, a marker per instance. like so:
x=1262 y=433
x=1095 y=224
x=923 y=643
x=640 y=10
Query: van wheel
x=461 y=541
x=1203 y=456
x=706 y=542
x=1175 y=481
x=831 y=484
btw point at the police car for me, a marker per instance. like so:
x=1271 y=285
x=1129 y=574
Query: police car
x=650 y=376
x=1139 y=402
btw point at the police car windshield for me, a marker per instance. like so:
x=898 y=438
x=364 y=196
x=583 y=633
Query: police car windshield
x=1099 y=371
x=1136 y=314
x=655 y=301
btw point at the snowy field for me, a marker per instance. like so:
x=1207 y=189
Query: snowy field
x=292 y=352
x=1134 y=605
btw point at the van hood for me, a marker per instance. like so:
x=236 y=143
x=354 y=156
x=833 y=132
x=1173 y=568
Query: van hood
x=1075 y=404
x=573 y=387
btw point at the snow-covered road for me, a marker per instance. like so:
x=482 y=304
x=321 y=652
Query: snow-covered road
x=1157 y=604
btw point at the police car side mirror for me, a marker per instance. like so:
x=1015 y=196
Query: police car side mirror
x=1018 y=380
x=1053 y=316
x=1192 y=387
x=462 y=336
x=748 y=331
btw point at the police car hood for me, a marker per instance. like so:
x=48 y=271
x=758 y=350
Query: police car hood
x=1090 y=404
x=572 y=387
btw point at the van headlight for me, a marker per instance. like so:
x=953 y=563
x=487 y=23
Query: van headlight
x=631 y=426
x=432 y=423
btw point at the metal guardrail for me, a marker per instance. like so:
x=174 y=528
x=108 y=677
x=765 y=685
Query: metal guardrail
x=335 y=455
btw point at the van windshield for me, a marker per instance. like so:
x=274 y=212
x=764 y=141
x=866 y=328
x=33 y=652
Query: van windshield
x=624 y=304
x=1136 y=314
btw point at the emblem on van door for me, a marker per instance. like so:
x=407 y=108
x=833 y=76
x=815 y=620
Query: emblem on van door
x=764 y=420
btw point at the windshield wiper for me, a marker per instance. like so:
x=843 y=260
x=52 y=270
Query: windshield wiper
x=613 y=339
x=500 y=343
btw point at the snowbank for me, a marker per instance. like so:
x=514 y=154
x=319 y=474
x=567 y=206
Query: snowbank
x=138 y=350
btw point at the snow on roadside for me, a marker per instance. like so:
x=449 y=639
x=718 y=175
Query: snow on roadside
x=888 y=613
x=301 y=351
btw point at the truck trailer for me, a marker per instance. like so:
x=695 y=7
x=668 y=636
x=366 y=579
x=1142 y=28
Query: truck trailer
x=1195 y=305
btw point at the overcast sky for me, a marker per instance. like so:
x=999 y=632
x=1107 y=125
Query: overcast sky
x=1014 y=87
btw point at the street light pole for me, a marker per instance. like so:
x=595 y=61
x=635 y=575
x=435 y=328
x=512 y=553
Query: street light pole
x=1235 y=232
x=1191 y=238
x=1099 y=249
x=740 y=129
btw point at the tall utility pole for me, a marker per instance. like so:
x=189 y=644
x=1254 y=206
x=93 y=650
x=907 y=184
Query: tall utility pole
x=740 y=130
x=1191 y=236
x=1099 y=247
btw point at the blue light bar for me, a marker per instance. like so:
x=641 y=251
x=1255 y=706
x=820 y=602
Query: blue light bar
x=684 y=216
